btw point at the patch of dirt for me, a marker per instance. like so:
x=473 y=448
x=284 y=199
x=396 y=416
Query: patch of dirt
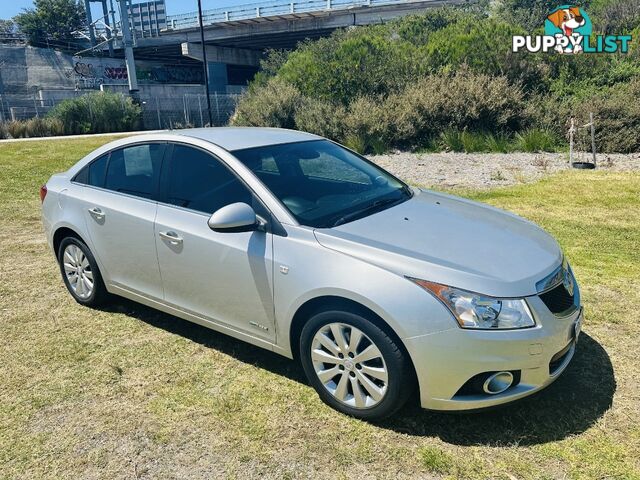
x=489 y=170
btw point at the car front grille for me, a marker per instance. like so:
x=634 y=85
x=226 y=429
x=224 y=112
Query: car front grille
x=559 y=301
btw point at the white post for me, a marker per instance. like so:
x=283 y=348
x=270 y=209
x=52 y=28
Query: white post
x=257 y=12
x=571 y=131
x=593 y=138
x=158 y=113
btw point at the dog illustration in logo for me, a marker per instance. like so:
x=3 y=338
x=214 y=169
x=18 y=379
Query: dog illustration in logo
x=567 y=20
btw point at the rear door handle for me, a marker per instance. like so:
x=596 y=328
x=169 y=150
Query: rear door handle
x=171 y=236
x=96 y=213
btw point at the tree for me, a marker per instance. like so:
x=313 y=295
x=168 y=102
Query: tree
x=52 y=21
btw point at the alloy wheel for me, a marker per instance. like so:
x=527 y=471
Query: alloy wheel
x=349 y=365
x=78 y=271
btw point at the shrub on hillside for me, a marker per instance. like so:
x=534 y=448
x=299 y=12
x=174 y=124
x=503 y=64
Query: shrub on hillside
x=4 y=133
x=99 y=112
x=368 y=128
x=462 y=101
x=322 y=118
x=617 y=118
x=273 y=104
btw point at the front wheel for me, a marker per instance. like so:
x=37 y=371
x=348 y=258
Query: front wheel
x=355 y=366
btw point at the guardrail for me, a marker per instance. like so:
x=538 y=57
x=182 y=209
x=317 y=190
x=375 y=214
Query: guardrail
x=270 y=9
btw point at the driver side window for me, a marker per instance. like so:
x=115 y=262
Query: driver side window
x=198 y=181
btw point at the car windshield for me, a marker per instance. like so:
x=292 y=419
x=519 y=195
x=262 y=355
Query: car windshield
x=322 y=184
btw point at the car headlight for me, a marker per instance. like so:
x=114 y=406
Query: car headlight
x=473 y=310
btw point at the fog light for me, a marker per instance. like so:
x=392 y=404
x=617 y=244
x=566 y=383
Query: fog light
x=497 y=383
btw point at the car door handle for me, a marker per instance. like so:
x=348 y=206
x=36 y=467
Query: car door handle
x=97 y=213
x=172 y=237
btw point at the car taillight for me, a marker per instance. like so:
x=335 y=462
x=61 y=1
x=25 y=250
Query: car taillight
x=43 y=192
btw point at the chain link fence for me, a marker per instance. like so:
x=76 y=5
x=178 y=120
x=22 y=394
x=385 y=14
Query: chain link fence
x=188 y=110
x=158 y=113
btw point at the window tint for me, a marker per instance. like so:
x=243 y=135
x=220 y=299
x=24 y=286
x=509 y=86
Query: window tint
x=93 y=174
x=97 y=169
x=135 y=170
x=199 y=181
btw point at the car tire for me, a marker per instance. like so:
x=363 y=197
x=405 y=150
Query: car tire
x=80 y=272
x=373 y=375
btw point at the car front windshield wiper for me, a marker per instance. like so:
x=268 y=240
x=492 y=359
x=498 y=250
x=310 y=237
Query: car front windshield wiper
x=369 y=209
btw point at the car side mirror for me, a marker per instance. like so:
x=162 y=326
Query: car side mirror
x=236 y=217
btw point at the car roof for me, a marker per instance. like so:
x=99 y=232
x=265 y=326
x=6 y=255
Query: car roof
x=238 y=138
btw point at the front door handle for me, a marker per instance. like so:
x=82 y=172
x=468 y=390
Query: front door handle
x=96 y=213
x=171 y=237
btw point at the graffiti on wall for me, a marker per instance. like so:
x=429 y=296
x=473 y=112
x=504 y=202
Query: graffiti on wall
x=171 y=74
x=115 y=73
x=89 y=76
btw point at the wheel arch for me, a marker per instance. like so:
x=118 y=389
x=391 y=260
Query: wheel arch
x=327 y=303
x=61 y=233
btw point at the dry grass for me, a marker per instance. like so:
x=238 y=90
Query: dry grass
x=128 y=392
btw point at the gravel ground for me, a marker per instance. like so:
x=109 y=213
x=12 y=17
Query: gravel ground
x=489 y=170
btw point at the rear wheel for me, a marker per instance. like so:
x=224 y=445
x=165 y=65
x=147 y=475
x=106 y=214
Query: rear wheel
x=80 y=272
x=355 y=366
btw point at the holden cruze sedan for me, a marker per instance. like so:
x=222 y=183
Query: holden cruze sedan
x=293 y=243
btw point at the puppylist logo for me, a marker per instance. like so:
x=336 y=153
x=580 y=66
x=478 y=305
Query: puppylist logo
x=568 y=29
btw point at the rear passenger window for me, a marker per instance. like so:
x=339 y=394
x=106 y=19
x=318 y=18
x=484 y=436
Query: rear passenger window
x=93 y=174
x=97 y=169
x=135 y=170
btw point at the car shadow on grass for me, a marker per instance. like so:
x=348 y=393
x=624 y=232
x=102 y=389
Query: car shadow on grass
x=569 y=406
x=572 y=404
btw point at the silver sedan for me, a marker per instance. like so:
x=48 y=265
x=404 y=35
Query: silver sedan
x=296 y=244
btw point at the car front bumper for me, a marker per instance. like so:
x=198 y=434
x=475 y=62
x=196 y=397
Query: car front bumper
x=445 y=361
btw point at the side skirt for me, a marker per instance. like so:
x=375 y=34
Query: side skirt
x=191 y=317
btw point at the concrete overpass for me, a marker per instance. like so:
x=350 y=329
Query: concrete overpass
x=236 y=37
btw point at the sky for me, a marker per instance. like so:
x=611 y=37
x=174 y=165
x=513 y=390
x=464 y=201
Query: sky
x=9 y=8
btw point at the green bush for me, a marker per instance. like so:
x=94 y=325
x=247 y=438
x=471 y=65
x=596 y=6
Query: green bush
x=322 y=118
x=617 y=118
x=462 y=101
x=273 y=104
x=536 y=140
x=473 y=142
x=16 y=129
x=99 y=112
x=451 y=140
x=367 y=125
x=32 y=128
x=499 y=143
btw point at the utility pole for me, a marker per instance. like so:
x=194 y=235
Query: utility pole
x=204 y=63
x=105 y=13
x=128 y=51
x=92 y=34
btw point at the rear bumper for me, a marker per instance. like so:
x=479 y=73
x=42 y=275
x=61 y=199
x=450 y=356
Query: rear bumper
x=445 y=361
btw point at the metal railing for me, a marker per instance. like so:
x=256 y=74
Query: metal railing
x=271 y=9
